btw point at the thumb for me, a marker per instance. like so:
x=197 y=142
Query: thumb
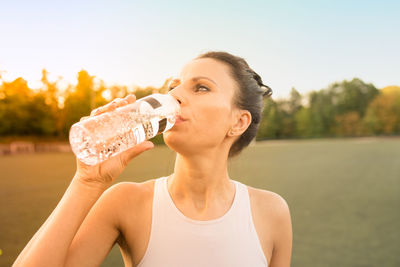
x=134 y=151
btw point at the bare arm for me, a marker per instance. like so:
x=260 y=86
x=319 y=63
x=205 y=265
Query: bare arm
x=51 y=244
x=282 y=251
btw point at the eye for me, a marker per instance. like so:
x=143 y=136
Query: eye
x=199 y=86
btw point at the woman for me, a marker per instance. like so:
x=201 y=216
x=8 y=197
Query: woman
x=197 y=216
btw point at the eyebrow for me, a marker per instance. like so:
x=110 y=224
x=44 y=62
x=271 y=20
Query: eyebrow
x=203 y=77
x=195 y=79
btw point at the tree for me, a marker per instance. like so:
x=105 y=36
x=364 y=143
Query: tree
x=303 y=123
x=347 y=108
x=383 y=113
x=23 y=111
x=321 y=112
x=79 y=101
x=270 y=123
x=145 y=91
x=348 y=124
x=118 y=91
x=294 y=101
x=51 y=95
x=352 y=96
x=14 y=115
x=165 y=87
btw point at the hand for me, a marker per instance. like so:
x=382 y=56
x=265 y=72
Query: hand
x=104 y=173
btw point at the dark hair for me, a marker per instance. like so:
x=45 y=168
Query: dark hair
x=248 y=97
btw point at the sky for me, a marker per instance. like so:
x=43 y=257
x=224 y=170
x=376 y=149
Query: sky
x=307 y=45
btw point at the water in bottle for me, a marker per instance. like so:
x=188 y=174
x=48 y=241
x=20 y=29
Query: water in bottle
x=98 y=138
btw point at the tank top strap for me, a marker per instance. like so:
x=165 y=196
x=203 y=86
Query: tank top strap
x=247 y=213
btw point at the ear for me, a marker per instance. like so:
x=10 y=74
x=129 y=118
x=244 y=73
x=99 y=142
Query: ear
x=241 y=121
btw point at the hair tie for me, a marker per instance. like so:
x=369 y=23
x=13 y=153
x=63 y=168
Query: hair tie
x=268 y=90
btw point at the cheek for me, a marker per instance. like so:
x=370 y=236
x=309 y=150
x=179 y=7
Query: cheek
x=214 y=120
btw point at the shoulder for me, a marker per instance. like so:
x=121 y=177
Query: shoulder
x=132 y=206
x=131 y=190
x=271 y=217
x=271 y=211
x=132 y=187
x=268 y=202
x=125 y=196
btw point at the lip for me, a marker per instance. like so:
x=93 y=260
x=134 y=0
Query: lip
x=179 y=119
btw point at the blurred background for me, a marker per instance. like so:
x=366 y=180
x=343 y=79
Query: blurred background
x=328 y=141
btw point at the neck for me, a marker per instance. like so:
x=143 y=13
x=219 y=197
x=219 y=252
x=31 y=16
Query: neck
x=201 y=181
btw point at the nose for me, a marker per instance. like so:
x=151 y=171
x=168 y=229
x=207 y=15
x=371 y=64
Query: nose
x=176 y=96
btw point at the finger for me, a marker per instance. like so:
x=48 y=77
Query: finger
x=121 y=103
x=112 y=106
x=133 y=152
x=109 y=107
x=130 y=98
x=94 y=112
x=117 y=102
x=101 y=109
x=84 y=118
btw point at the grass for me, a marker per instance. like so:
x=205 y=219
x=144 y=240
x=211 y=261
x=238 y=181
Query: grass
x=343 y=195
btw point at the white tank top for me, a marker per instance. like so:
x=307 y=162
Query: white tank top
x=178 y=241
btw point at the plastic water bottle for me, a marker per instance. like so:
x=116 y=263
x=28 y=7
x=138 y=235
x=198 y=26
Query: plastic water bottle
x=98 y=138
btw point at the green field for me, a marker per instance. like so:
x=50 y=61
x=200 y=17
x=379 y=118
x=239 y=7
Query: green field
x=344 y=195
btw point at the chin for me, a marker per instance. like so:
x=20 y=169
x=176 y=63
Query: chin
x=178 y=143
x=172 y=140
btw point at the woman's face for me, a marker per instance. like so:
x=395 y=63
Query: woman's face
x=205 y=91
